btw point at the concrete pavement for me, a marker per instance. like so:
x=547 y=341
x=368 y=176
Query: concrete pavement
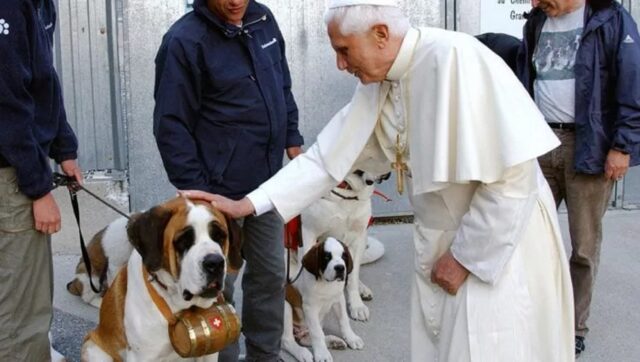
x=614 y=322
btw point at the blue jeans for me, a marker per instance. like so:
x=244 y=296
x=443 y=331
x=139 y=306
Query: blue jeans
x=263 y=284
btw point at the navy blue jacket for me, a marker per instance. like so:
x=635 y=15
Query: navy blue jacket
x=33 y=124
x=607 y=76
x=224 y=109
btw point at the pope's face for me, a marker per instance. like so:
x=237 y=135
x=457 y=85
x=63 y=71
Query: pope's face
x=359 y=54
x=231 y=11
x=555 y=8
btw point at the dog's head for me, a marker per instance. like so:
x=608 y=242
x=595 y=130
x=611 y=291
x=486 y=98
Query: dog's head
x=329 y=260
x=362 y=182
x=191 y=241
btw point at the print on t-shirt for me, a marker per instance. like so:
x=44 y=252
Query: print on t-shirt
x=555 y=54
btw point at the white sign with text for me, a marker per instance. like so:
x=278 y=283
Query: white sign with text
x=503 y=16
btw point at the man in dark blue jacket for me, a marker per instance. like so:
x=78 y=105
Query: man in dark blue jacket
x=33 y=128
x=580 y=60
x=223 y=119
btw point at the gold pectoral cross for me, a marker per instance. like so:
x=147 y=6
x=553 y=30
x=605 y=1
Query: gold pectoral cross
x=399 y=166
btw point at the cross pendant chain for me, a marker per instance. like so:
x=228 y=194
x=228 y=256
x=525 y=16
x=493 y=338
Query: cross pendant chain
x=400 y=167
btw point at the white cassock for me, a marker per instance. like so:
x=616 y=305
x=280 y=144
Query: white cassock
x=473 y=137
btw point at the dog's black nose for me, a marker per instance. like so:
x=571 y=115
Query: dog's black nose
x=213 y=263
x=369 y=182
x=339 y=268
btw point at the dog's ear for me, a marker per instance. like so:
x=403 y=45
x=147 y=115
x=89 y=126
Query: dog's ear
x=383 y=178
x=146 y=234
x=234 y=255
x=312 y=260
x=346 y=256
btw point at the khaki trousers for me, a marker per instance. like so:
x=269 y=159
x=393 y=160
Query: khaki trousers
x=26 y=284
x=587 y=198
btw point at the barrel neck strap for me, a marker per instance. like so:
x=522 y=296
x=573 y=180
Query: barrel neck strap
x=160 y=303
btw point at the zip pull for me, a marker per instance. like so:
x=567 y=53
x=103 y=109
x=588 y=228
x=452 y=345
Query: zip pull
x=246 y=32
x=252 y=77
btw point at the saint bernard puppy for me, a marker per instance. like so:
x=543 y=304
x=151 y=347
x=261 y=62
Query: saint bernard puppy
x=183 y=250
x=344 y=214
x=318 y=289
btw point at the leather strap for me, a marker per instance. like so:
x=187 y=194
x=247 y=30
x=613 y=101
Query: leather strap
x=157 y=299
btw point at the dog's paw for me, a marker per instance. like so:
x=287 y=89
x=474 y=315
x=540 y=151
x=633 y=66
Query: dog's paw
x=322 y=354
x=353 y=341
x=303 y=355
x=358 y=311
x=96 y=302
x=335 y=342
x=365 y=292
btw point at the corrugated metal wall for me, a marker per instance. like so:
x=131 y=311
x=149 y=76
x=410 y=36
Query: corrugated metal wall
x=88 y=66
x=106 y=61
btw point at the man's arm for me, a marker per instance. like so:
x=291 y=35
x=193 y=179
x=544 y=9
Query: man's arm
x=294 y=138
x=177 y=96
x=491 y=229
x=626 y=136
x=18 y=143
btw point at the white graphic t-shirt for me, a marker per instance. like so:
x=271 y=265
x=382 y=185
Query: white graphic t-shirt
x=554 y=59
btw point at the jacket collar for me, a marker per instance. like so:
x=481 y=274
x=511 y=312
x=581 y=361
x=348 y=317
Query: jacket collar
x=256 y=13
x=593 y=17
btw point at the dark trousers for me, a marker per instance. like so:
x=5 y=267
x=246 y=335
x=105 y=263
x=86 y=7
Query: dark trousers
x=262 y=289
x=587 y=198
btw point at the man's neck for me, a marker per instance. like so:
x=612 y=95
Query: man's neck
x=573 y=5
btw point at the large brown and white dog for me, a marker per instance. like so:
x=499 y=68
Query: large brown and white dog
x=185 y=248
x=344 y=214
x=319 y=289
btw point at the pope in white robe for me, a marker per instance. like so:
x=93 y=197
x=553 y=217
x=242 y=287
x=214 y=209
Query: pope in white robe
x=454 y=114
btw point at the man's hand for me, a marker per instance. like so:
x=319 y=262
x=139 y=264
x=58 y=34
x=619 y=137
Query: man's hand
x=233 y=208
x=70 y=168
x=46 y=214
x=616 y=165
x=293 y=152
x=449 y=273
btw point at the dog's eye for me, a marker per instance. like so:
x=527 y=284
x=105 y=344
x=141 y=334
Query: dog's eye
x=216 y=233
x=185 y=240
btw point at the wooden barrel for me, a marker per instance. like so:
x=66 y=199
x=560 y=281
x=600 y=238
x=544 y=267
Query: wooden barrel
x=198 y=332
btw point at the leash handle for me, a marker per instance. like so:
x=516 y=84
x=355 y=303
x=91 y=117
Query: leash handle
x=85 y=254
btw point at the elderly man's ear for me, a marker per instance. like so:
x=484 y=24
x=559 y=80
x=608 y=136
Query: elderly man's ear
x=381 y=34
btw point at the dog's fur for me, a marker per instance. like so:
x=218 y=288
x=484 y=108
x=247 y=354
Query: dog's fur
x=109 y=250
x=319 y=288
x=344 y=214
x=188 y=248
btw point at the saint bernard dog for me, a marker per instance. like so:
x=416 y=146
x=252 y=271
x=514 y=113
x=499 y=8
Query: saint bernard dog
x=319 y=289
x=344 y=214
x=183 y=250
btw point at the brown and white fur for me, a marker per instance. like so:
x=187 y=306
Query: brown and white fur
x=187 y=247
x=319 y=289
x=344 y=214
x=109 y=250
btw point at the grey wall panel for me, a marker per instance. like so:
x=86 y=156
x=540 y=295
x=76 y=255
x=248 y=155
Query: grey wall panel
x=144 y=23
x=86 y=66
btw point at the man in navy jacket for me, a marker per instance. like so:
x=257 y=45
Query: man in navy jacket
x=580 y=60
x=224 y=117
x=33 y=129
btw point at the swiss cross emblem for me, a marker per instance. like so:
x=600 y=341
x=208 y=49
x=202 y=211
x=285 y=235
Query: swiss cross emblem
x=215 y=322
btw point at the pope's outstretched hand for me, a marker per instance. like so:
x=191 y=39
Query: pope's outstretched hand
x=233 y=208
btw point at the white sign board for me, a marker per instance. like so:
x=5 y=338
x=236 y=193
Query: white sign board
x=503 y=16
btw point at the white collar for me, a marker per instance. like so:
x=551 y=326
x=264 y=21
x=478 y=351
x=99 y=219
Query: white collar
x=402 y=62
